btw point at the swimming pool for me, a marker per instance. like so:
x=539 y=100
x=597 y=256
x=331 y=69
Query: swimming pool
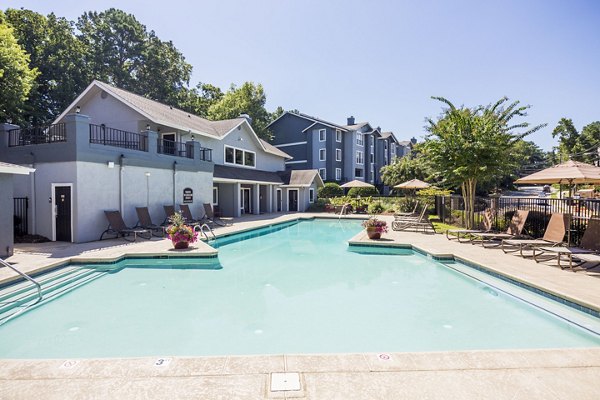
x=295 y=288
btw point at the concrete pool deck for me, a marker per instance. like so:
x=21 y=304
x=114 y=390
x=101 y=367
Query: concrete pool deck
x=514 y=374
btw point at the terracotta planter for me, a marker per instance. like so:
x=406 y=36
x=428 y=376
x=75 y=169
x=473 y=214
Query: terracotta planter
x=181 y=245
x=373 y=234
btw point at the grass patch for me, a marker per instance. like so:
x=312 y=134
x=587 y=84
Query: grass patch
x=440 y=226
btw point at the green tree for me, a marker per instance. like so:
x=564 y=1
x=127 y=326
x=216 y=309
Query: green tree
x=589 y=142
x=470 y=145
x=247 y=99
x=120 y=50
x=58 y=56
x=568 y=138
x=363 y=191
x=403 y=169
x=16 y=77
x=199 y=99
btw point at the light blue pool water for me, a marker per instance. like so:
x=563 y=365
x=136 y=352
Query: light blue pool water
x=300 y=289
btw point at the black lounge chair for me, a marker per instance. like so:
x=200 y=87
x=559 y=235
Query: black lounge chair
x=169 y=212
x=211 y=218
x=145 y=221
x=117 y=227
x=187 y=214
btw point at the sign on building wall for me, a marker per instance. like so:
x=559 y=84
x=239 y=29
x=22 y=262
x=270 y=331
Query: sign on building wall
x=188 y=195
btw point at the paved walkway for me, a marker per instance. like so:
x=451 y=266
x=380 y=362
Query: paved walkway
x=511 y=374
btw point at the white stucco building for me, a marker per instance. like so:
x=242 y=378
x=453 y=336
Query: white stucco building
x=115 y=150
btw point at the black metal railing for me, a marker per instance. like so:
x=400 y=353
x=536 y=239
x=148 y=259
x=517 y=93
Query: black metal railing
x=182 y=149
x=37 y=135
x=172 y=148
x=21 y=205
x=100 y=134
x=451 y=210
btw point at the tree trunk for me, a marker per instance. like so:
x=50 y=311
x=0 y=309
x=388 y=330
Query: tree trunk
x=469 y=197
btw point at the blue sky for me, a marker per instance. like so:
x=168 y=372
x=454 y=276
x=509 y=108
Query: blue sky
x=382 y=60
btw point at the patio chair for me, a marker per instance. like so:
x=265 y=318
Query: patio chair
x=117 y=227
x=209 y=215
x=514 y=230
x=187 y=214
x=587 y=252
x=487 y=220
x=399 y=215
x=421 y=222
x=169 y=212
x=145 y=221
x=553 y=236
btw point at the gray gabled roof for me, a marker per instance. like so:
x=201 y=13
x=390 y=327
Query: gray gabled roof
x=310 y=118
x=301 y=177
x=163 y=114
x=356 y=126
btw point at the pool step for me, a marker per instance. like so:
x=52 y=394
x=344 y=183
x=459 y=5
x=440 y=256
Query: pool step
x=52 y=287
x=44 y=279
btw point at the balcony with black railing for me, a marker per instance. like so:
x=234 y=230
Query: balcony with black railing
x=182 y=149
x=37 y=135
x=100 y=134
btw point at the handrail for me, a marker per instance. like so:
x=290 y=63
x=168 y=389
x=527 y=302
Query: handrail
x=343 y=211
x=27 y=277
x=201 y=229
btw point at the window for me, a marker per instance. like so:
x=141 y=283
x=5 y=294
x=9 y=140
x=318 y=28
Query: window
x=249 y=159
x=338 y=174
x=240 y=157
x=322 y=135
x=371 y=158
x=372 y=176
x=358 y=172
x=215 y=195
x=338 y=154
x=360 y=140
x=322 y=154
x=359 y=157
x=311 y=195
x=323 y=173
x=229 y=155
x=338 y=136
x=372 y=147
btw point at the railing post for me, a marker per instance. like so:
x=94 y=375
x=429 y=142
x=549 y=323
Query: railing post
x=152 y=138
x=194 y=147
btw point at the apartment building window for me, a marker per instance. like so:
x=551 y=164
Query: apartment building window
x=311 y=195
x=215 y=196
x=323 y=173
x=360 y=159
x=358 y=172
x=338 y=136
x=371 y=158
x=360 y=140
x=338 y=154
x=372 y=175
x=322 y=135
x=338 y=174
x=322 y=154
x=240 y=157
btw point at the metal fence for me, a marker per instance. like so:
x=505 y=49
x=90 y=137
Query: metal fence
x=100 y=134
x=21 y=204
x=37 y=135
x=451 y=210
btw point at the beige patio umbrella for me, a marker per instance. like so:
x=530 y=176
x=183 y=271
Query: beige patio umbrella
x=356 y=183
x=568 y=173
x=413 y=184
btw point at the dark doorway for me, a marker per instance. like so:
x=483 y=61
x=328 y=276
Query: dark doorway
x=292 y=200
x=246 y=209
x=278 y=200
x=62 y=207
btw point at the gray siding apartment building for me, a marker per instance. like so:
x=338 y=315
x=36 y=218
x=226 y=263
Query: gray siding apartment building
x=340 y=153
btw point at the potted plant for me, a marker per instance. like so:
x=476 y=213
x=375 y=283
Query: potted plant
x=180 y=234
x=375 y=227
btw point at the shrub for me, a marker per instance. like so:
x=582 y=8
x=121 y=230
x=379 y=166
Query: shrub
x=331 y=189
x=363 y=191
x=375 y=208
x=318 y=206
